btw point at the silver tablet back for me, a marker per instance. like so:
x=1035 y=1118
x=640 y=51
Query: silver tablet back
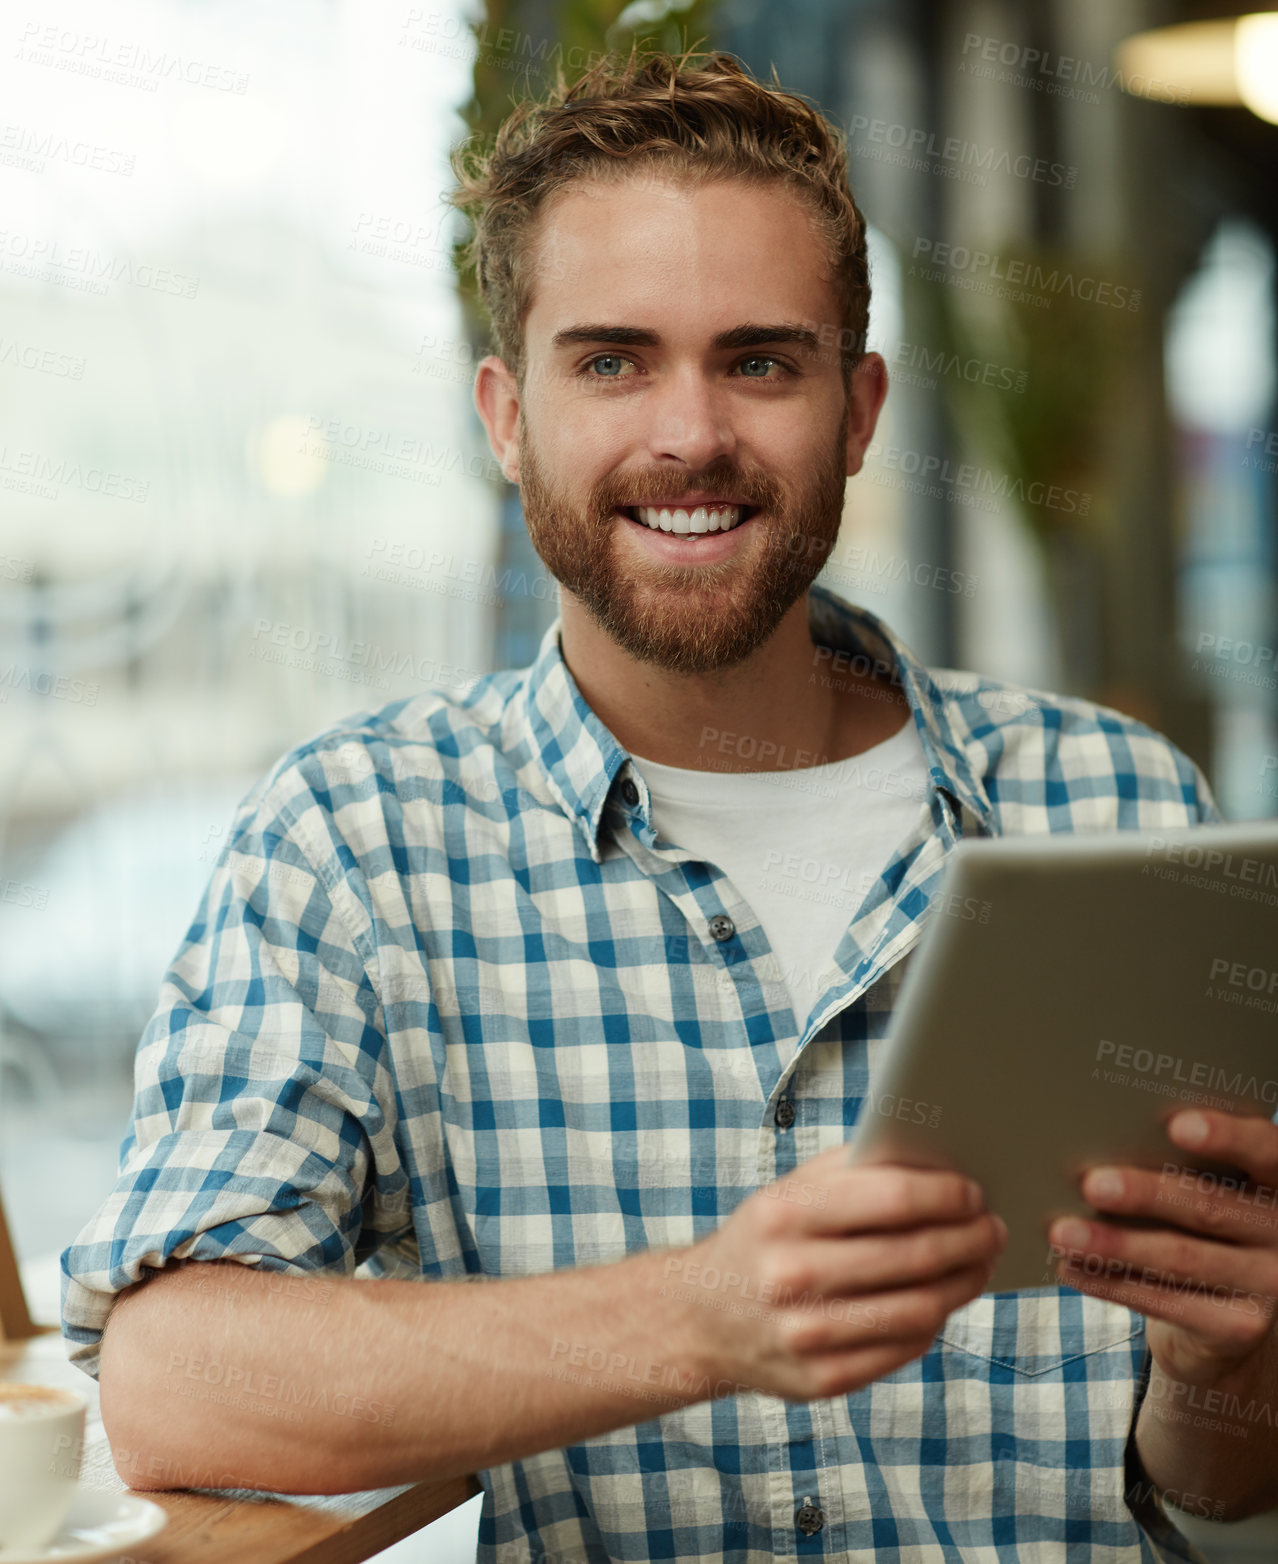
x=1070 y=994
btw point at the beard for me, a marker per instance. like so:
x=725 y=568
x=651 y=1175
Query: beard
x=693 y=618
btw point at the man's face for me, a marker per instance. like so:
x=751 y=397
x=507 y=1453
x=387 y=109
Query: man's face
x=630 y=405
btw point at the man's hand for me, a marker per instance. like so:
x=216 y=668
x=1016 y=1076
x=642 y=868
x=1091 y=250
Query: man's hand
x=1210 y=1288
x=836 y=1274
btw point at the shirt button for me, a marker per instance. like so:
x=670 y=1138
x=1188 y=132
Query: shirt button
x=722 y=927
x=629 y=792
x=785 y=1113
x=810 y=1519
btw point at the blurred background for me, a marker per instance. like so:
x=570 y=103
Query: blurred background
x=243 y=490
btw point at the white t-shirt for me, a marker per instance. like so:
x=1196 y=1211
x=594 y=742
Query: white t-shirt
x=803 y=847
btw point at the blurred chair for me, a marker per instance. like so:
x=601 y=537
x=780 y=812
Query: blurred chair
x=16 y=1323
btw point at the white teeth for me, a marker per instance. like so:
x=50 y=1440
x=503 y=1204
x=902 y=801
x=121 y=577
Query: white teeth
x=703 y=518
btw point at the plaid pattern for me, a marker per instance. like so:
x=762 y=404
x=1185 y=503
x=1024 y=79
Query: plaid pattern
x=445 y=1010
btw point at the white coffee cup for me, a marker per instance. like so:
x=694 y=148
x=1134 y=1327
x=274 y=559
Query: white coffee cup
x=41 y=1441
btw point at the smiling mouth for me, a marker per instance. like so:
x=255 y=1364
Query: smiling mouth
x=693 y=521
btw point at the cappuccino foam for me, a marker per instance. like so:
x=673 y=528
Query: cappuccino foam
x=21 y=1400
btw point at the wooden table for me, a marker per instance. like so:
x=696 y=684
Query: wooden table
x=238 y=1526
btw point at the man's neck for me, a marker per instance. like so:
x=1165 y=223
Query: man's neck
x=778 y=710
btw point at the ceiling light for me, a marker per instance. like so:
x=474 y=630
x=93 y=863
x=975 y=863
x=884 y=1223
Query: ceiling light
x=1224 y=62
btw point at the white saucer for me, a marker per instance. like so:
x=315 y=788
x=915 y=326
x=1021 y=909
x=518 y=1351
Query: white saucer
x=99 y=1526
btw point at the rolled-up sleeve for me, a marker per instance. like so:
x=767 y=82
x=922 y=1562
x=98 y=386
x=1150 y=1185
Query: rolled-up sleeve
x=263 y=1115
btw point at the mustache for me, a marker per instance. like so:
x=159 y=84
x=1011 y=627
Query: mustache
x=724 y=484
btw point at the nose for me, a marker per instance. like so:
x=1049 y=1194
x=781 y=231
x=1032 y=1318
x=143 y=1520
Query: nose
x=688 y=420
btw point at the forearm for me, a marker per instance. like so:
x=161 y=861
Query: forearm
x=219 y=1375
x=1216 y=1442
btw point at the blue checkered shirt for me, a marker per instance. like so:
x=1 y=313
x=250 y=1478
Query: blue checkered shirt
x=448 y=1009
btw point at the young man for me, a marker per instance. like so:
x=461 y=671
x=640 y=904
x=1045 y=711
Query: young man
x=509 y=987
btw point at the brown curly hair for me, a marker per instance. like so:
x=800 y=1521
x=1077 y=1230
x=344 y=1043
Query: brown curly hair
x=660 y=115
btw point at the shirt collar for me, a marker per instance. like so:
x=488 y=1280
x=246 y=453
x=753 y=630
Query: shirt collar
x=583 y=761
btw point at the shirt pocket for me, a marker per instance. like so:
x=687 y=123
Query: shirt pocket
x=1038 y=1332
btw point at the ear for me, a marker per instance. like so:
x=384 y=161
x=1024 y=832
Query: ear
x=497 y=403
x=865 y=401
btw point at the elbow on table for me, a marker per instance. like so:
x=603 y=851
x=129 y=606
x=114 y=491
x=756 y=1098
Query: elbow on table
x=127 y=1397
x=167 y=1430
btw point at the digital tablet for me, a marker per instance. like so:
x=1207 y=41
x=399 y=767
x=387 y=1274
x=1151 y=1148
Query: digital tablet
x=1068 y=996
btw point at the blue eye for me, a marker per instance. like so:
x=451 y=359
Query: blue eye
x=746 y=361
x=615 y=366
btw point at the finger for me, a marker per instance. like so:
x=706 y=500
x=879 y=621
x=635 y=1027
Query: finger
x=905 y=1313
x=1215 y=1289
x=1224 y=1327
x=1248 y=1141
x=1222 y=1206
x=863 y=1197
x=855 y=1266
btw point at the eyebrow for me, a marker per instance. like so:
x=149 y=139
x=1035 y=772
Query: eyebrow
x=748 y=336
